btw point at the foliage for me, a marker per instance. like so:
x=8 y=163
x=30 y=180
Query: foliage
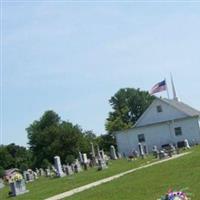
x=105 y=141
x=1 y=172
x=45 y=164
x=69 y=159
x=14 y=156
x=128 y=104
x=51 y=136
x=45 y=187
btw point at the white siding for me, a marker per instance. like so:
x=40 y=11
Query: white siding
x=159 y=134
x=151 y=115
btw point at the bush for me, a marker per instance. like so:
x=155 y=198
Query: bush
x=69 y=159
x=1 y=172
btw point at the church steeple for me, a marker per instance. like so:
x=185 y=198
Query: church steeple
x=174 y=90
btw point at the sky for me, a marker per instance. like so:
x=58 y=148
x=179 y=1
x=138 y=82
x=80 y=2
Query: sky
x=71 y=57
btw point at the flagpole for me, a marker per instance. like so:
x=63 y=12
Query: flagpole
x=167 y=89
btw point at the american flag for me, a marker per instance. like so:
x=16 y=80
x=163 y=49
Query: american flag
x=159 y=87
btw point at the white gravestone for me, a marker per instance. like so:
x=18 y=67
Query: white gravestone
x=85 y=159
x=186 y=144
x=18 y=187
x=80 y=157
x=58 y=166
x=1 y=183
x=77 y=166
x=68 y=170
x=113 y=152
x=141 y=150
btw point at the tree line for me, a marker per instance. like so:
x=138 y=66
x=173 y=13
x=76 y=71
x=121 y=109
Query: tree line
x=50 y=135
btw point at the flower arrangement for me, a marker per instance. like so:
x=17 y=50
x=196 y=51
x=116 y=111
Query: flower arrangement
x=175 y=195
x=16 y=177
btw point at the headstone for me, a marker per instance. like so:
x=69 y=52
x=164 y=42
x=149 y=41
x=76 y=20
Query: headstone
x=135 y=153
x=77 y=166
x=145 y=149
x=93 y=151
x=47 y=172
x=68 y=170
x=101 y=164
x=17 y=186
x=102 y=154
x=80 y=157
x=41 y=172
x=35 y=175
x=93 y=156
x=28 y=175
x=1 y=184
x=141 y=150
x=37 y=171
x=155 y=151
x=162 y=154
x=98 y=152
x=186 y=144
x=119 y=155
x=85 y=159
x=172 y=150
x=113 y=153
x=58 y=166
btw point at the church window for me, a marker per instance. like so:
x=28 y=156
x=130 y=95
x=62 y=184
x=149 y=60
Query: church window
x=178 y=131
x=141 y=138
x=159 y=108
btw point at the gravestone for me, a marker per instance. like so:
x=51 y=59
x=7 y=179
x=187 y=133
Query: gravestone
x=68 y=170
x=58 y=167
x=35 y=175
x=1 y=184
x=113 y=153
x=98 y=152
x=93 y=156
x=102 y=154
x=41 y=172
x=85 y=161
x=141 y=150
x=37 y=171
x=28 y=176
x=77 y=166
x=155 y=151
x=101 y=164
x=145 y=149
x=18 y=187
x=135 y=153
x=162 y=154
x=47 y=172
x=93 y=151
x=80 y=157
x=186 y=144
x=119 y=155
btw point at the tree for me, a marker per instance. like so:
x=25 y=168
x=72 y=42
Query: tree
x=128 y=104
x=1 y=172
x=14 y=156
x=50 y=136
x=105 y=141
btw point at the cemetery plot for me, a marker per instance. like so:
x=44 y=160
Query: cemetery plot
x=45 y=187
x=151 y=183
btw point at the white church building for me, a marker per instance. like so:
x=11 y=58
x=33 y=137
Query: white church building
x=165 y=121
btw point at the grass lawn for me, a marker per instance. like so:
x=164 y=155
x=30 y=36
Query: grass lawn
x=46 y=187
x=152 y=182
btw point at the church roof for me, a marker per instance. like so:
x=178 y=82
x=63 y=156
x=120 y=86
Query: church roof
x=188 y=110
x=172 y=110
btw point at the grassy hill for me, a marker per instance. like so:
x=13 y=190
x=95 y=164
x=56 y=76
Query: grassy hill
x=46 y=187
x=152 y=182
x=146 y=184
